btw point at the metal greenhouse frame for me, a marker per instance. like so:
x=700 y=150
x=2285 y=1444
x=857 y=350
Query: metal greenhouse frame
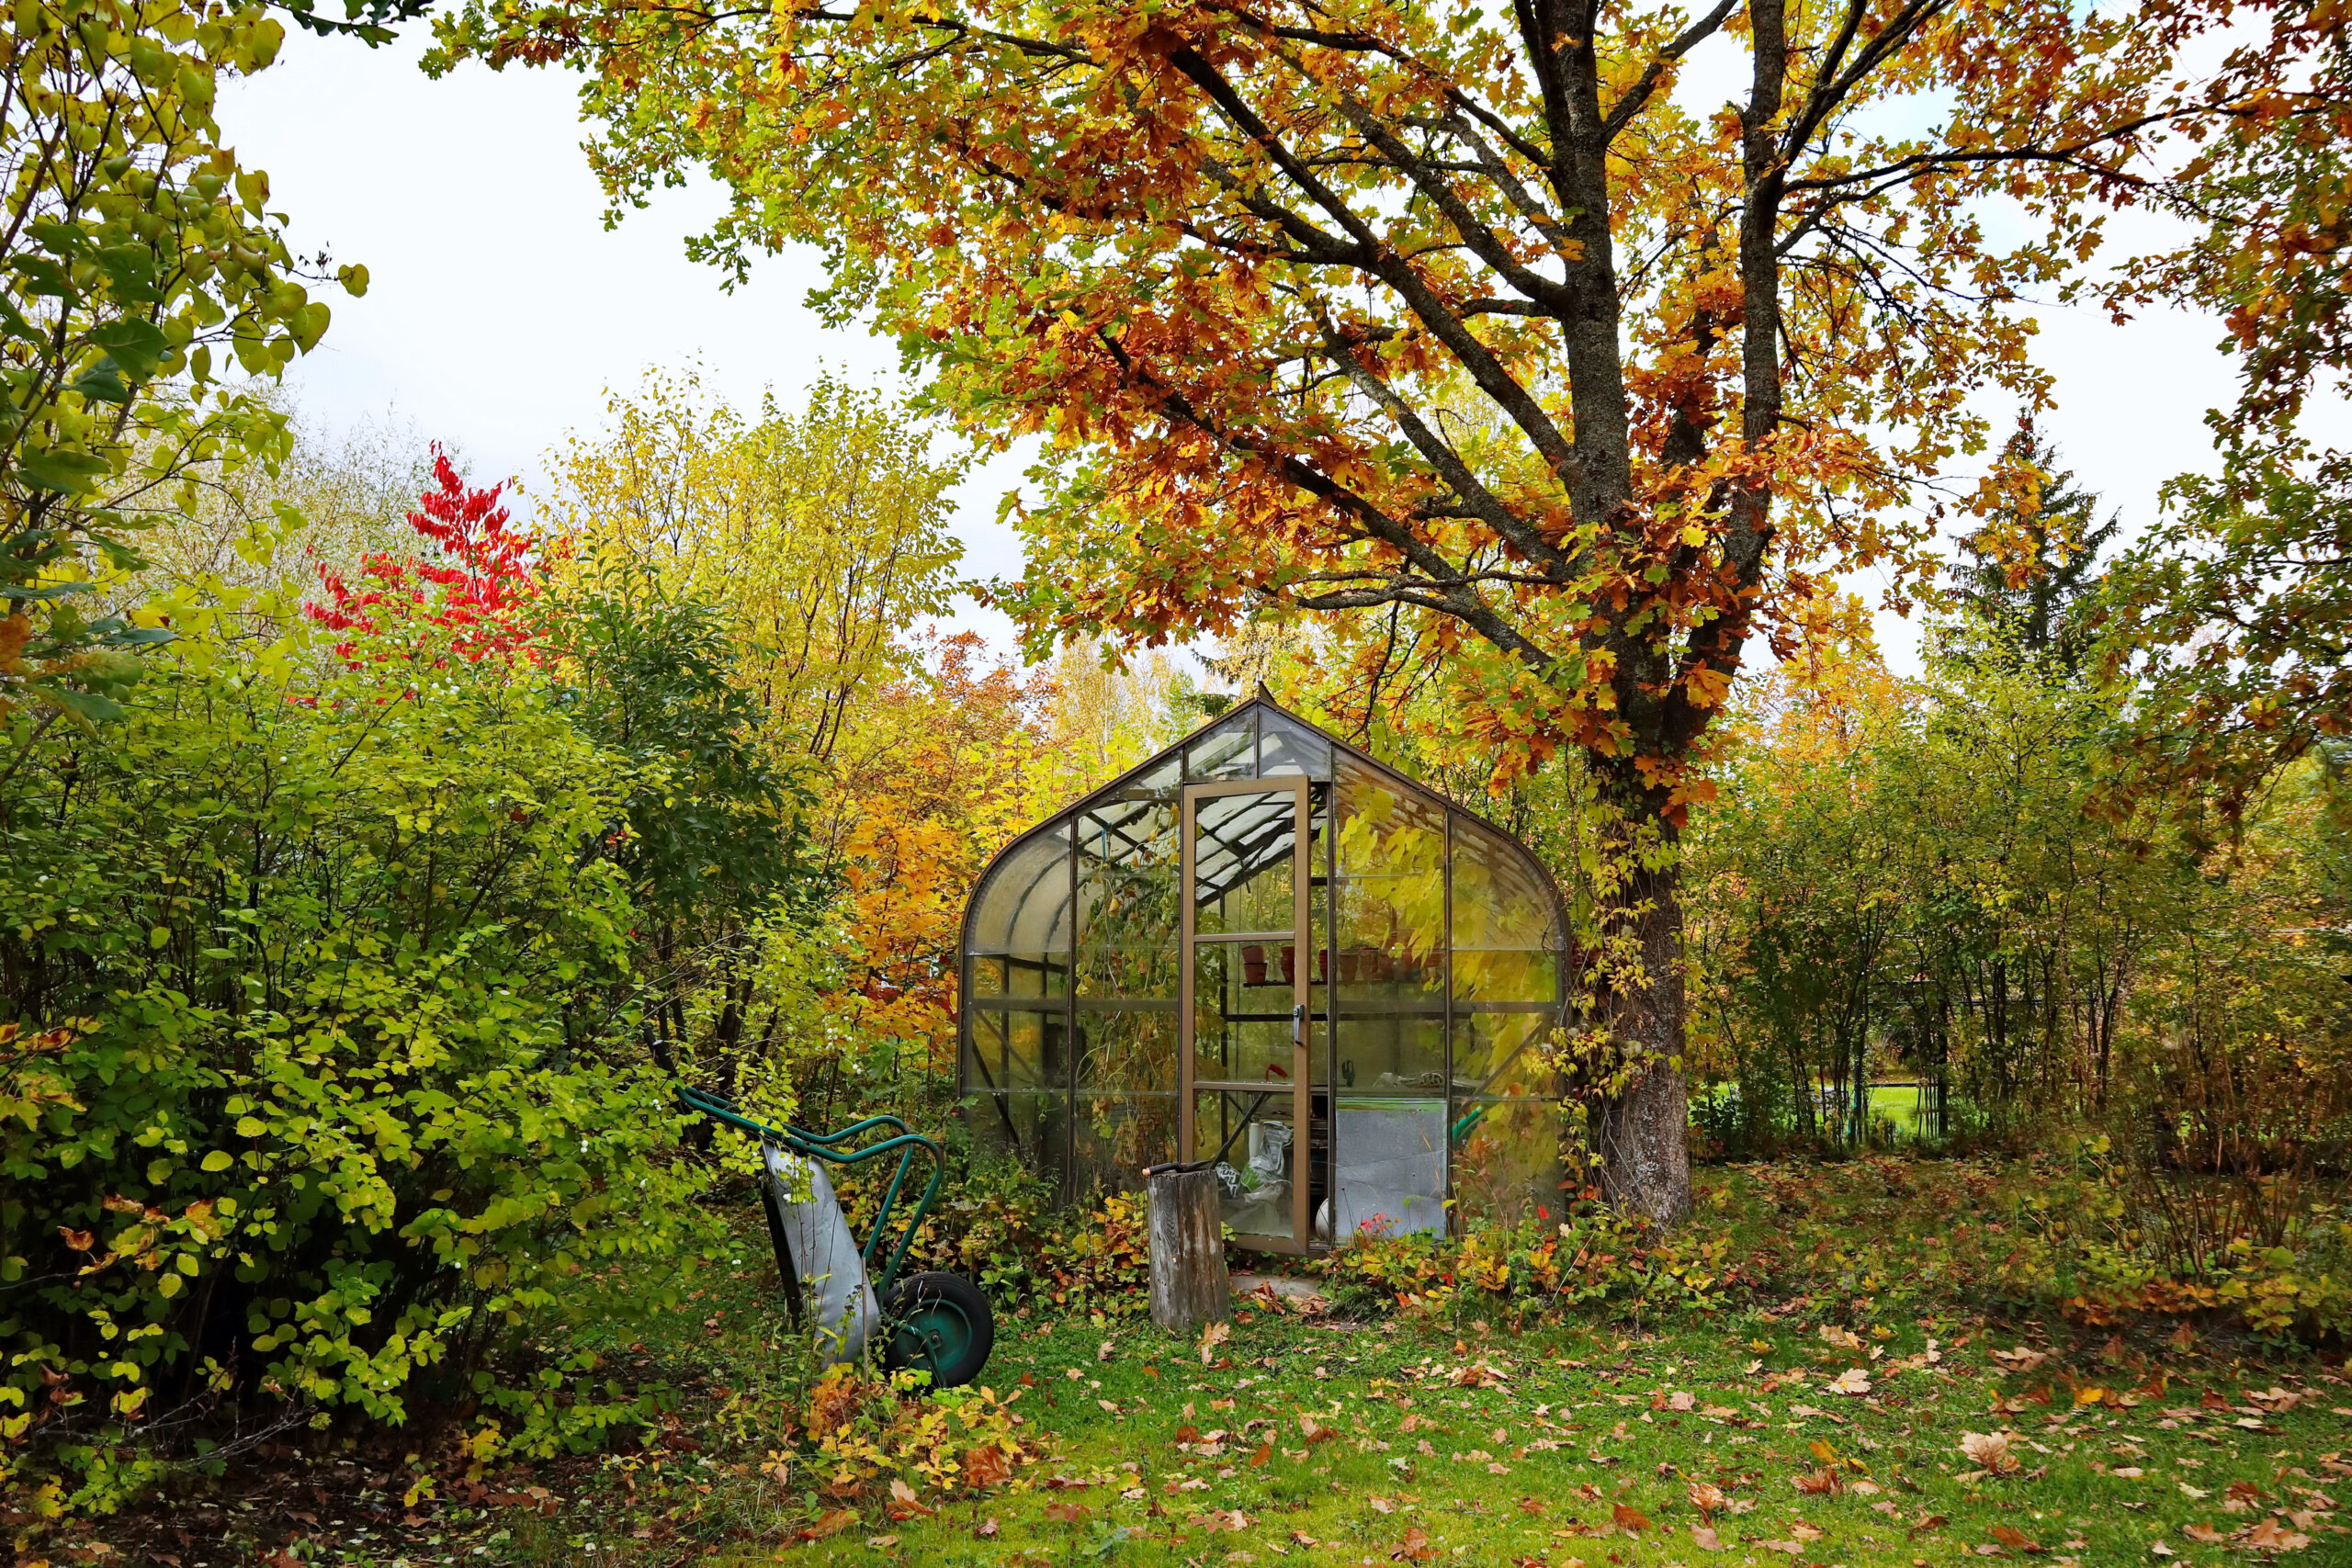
x=1338 y=1018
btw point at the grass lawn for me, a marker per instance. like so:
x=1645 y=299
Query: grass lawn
x=1412 y=1440
x=1424 y=1441
x=1572 y=1447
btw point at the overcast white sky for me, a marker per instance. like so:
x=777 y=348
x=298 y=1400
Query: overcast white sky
x=500 y=308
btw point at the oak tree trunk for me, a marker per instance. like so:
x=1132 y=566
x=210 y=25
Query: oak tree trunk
x=1640 y=1130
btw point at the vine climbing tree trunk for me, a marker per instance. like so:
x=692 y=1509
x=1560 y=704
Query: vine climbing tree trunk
x=1645 y=1154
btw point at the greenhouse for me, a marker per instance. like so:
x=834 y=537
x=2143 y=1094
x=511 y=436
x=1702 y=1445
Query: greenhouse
x=1264 y=951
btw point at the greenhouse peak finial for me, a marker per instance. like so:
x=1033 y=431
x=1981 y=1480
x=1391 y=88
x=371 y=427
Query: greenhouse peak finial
x=1264 y=695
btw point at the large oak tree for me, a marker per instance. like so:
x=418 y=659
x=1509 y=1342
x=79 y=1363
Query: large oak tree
x=1595 y=336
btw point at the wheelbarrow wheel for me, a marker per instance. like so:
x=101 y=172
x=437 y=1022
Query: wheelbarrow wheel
x=941 y=1324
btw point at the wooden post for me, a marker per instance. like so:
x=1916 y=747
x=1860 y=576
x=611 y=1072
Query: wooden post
x=1189 y=1285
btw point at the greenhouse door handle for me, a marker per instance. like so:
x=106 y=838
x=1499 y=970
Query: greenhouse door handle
x=1298 y=1024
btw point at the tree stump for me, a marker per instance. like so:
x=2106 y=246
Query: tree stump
x=1189 y=1285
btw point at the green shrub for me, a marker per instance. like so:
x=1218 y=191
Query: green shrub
x=312 y=1094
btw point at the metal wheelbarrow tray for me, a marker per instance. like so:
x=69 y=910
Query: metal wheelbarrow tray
x=936 y=1322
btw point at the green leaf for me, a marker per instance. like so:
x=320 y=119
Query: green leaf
x=130 y=273
x=88 y=704
x=14 y=320
x=219 y=1160
x=137 y=345
x=43 y=276
x=63 y=238
x=33 y=592
x=103 y=383
x=65 y=470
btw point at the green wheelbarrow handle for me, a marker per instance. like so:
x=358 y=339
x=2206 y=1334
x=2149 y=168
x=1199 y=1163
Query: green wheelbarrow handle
x=829 y=1146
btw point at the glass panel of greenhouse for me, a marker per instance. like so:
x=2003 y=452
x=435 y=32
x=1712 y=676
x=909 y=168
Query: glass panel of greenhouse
x=1265 y=952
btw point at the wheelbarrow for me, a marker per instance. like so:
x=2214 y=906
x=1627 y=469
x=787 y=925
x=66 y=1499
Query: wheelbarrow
x=936 y=1322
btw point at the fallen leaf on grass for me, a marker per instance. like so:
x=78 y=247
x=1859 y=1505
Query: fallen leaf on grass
x=1838 y=1338
x=1818 y=1484
x=1479 y=1373
x=1707 y=1497
x=2020 y=1359
x=881 y=1542
x=2205 y=1533
x=1793 y=1548
x=1804 y=1531
x=1932 y=1522
x=1066 y=1513
x=1703 y=1536
x=1989 y=1452
x=1382 y=1504
x=1414 y=1548
x=988 y=1466
x=986 y=1531
x=1853 y=1381
x=2267 y=1537
x=1264 y=1454
x=1218 y=1519
x=829 y=1523
x=2014 y=1541
x=1630 y=1520
x=1214 y=1335
x=1531 y=1506
x=1682 y=1401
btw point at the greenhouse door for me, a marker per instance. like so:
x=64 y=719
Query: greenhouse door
x=1247 y=960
